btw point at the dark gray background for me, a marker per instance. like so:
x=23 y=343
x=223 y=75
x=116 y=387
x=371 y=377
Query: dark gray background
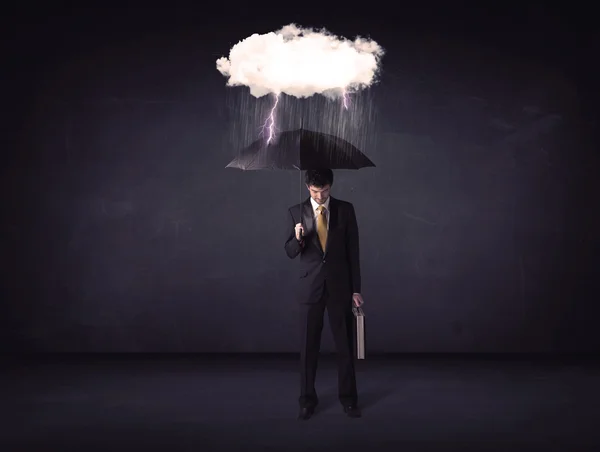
x=123 y=231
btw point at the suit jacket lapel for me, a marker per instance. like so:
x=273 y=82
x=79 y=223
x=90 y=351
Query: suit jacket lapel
x=308 y=220
x=333 y=218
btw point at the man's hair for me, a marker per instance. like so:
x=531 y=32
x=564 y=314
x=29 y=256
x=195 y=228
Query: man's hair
x=318 y=178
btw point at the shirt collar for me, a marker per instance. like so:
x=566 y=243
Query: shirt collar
x=315 y=205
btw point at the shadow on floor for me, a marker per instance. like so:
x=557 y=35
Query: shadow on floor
x=367 y=398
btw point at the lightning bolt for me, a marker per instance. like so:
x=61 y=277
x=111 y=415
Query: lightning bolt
x=269 y=124
x=345 y=99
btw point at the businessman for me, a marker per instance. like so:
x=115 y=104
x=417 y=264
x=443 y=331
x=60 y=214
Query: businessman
x=323 y=232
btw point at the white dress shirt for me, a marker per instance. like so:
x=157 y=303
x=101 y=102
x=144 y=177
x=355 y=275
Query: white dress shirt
x=315 y=205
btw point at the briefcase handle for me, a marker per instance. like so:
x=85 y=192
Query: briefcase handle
x=358 y=311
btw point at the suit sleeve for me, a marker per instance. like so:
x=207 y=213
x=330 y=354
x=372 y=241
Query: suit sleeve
x=353 y=250
x=292 y=246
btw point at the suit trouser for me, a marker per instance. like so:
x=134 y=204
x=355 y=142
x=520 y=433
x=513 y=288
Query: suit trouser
x=341 y=321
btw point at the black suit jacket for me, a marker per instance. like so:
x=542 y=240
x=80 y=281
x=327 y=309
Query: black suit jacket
x=338 y=264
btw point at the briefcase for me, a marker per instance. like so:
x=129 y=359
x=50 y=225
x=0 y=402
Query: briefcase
x=359 y=315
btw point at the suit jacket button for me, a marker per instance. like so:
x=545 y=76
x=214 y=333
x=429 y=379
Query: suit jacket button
x=324 y=261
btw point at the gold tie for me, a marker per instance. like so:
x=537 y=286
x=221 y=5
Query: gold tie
x=322 y=226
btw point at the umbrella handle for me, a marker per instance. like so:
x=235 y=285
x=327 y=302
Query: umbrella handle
x=301 y=214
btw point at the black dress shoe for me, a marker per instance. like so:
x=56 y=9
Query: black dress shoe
x=352 y=411
x=306 y=413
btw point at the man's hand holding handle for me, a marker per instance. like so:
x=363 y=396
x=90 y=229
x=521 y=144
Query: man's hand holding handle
x=299 y=232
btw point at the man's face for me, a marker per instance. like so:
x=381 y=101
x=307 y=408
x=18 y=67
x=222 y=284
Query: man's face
x=319 y=194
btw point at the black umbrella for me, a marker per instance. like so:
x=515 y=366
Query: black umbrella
x=301 y=149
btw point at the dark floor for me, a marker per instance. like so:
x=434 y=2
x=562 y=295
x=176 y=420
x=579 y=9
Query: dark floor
x=202 y=404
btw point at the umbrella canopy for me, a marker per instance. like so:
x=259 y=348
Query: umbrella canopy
x=301 y=149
